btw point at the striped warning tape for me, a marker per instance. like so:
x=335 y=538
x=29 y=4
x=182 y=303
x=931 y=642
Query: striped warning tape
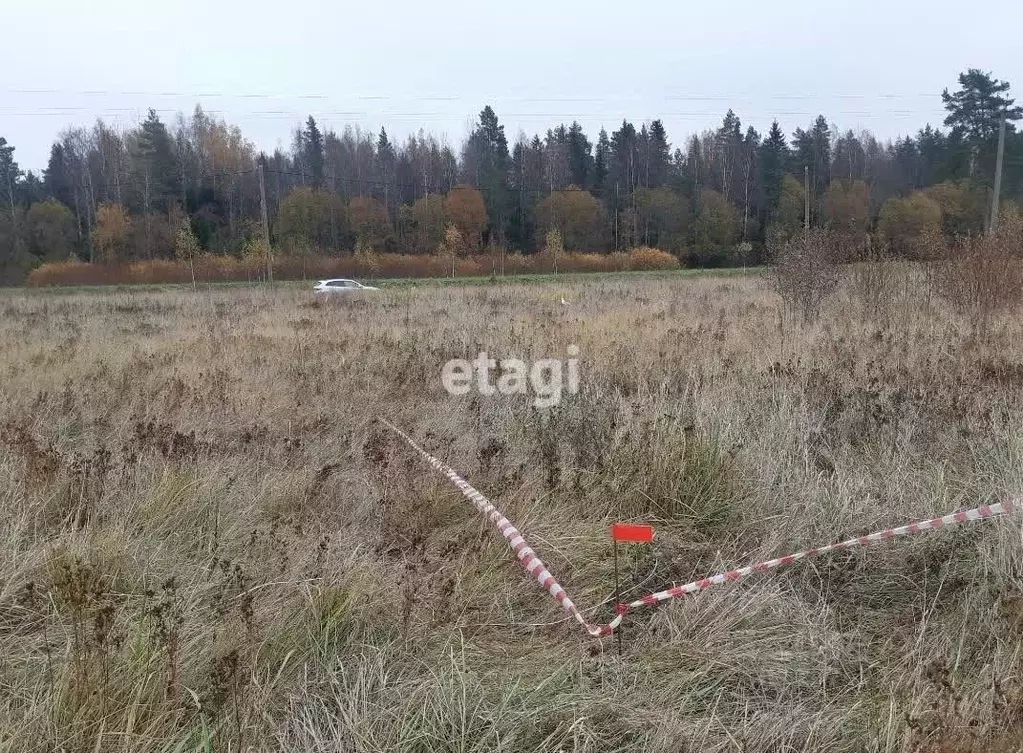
x=538 y=570
x=526 y=556
x=977 y=513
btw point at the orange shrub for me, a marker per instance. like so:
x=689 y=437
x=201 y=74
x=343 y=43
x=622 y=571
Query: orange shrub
x=57 y=273
x=217 y=268
x=577 y=261
x=646 y=258
x=512 y=264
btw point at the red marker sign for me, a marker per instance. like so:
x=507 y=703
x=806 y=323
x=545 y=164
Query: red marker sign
x=635 y=534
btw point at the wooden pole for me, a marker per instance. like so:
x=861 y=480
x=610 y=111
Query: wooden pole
x=618 y=599
x=998 y=176
x=806 y=197
x=266 y=222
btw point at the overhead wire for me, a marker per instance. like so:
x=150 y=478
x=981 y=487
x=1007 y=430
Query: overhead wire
x=605 y=105
x=451 y=97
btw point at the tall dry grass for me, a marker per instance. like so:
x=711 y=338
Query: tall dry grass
x=983 y=276
x=210 y=545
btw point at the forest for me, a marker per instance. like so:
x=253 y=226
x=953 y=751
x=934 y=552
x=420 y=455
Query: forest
x=721 y=197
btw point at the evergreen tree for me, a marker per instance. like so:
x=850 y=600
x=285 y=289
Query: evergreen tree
x=774 y=160
x=57 y=176
x=727 y=146
x=30 y=191
x=580 y=157
x=386 y=170
x=556 y=163
x=10 y=175
x=974 y=115
x=623 y=170
x=678 y=174
x=485 y=163
x=520 y=230
x=158 y=176
x=385 y=151
x=642 y=183
x=660 y=155
x=813 y=151
x=299 y=158
x=643 y=157
x=600 y=163
x=312 y=152
x=906 y=163
x=932 y=146
x=975 y=111
x=750 y=174
x=622 y=180
x=695 y=166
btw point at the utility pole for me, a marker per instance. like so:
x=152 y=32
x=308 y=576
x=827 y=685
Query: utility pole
x=806 y=197
x=998 y=176
x=616 y=216
x=10 y=195
x=266 y=222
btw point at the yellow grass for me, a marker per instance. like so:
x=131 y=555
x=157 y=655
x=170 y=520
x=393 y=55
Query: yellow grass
x=210 y=545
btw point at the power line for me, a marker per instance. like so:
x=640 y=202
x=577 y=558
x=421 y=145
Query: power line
x=676 y=96
x=431 y=116
x=131 y=181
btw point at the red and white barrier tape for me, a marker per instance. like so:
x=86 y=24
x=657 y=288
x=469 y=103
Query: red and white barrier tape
x=977 y=513
x=526 y=556
x=539 y=571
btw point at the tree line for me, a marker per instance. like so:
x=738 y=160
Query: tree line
x=719 y=197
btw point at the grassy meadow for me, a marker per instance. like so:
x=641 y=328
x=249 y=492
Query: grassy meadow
x=210 y=544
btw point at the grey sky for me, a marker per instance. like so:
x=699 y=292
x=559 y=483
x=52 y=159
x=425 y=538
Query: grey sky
x=404 y=65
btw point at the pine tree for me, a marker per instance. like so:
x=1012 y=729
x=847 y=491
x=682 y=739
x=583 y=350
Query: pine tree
x=974 y=115
x=774 y=159
x=519 y=226
x=600 y=163
x=906 y=161
x=813 y=151
x=749 y=167
x=622 y=168
x=643 y=157
x=30 y=191
x=932 y=146
x=312 y=146
x=975 y=110
x=10 y=174
x=12 y=236
x=385 y=151
x=386 y=163
x=485 y=163
x=580 y=157
x=623 y=177
x=728 y=144
x=57 y=176
x=556 y=161
x=159 y=176
x=660 y=155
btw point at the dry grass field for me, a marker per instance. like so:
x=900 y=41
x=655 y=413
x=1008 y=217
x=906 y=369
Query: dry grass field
x=209 y=543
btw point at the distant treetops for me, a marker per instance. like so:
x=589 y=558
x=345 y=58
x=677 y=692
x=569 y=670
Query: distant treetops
x=109 y=195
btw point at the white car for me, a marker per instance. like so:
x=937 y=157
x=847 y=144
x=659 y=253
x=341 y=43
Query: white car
x=341 y=286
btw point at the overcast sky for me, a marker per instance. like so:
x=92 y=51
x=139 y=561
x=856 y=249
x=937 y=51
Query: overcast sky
x=404 y=65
